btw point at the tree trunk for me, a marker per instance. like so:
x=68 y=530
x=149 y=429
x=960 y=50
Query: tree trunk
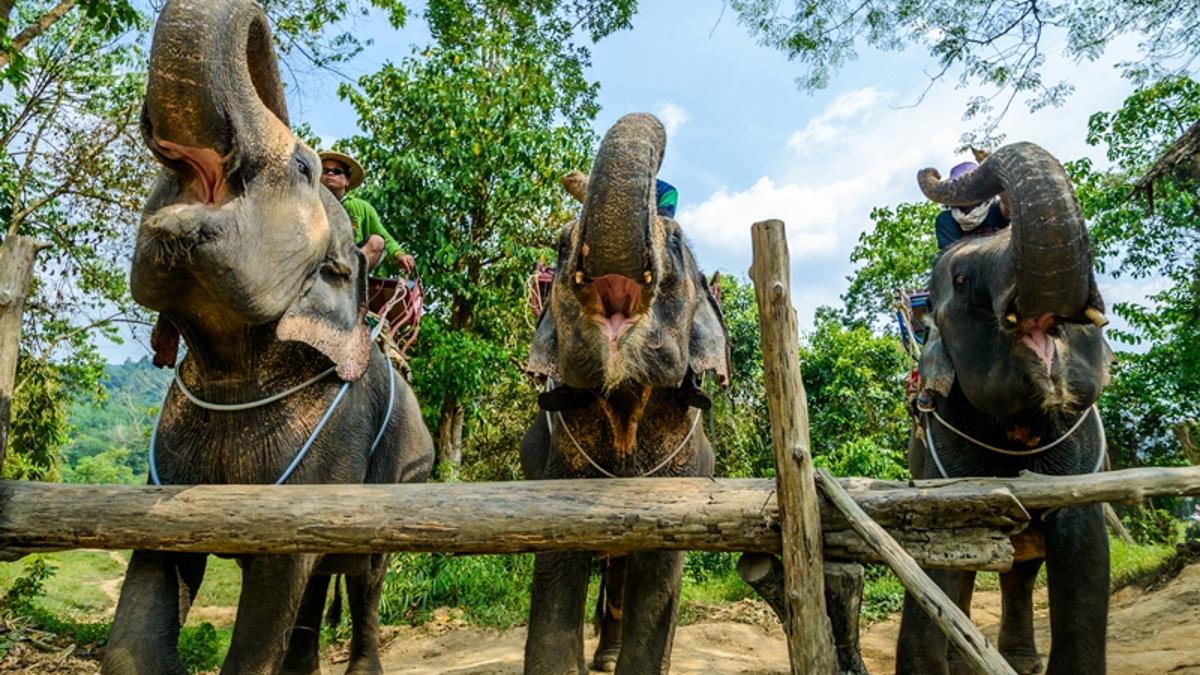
x=17 y=254
x=449 y=439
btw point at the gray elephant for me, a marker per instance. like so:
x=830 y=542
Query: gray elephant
x=629 y=320
x=1014 y=365
x=246 y=255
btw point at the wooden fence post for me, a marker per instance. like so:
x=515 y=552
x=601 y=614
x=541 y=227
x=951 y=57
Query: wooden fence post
x=16 y=267
x=810 y=641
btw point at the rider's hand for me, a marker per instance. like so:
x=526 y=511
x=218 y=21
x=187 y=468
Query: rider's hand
x=406 y=263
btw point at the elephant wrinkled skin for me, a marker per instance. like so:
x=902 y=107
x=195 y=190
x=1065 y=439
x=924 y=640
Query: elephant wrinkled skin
x=250 y=259
x=629 y=318
x=1016 y=359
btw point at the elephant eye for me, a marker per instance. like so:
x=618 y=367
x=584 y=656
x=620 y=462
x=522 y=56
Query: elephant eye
x=303 y=167
x=959 y=280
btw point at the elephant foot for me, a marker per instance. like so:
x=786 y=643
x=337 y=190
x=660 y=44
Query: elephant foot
x=605 y=659
x=1024 y=661
x=365 y=666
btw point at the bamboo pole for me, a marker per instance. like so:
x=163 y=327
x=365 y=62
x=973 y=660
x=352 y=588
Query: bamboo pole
x=979 y=653
x=810 y=640
x=611 y=515
x=17 y=254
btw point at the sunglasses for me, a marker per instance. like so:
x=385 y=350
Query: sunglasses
x=336 y=171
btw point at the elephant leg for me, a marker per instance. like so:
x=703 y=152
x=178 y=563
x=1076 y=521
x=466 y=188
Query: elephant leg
x=303 y=652
x=272 y=587
x=554 y=645
x=921 y=648
x=364 y=591
x=1016 y=642
x=652 y=580
x=1077 y=573
x=961 y=593
x=145 y=629
x=610 y=607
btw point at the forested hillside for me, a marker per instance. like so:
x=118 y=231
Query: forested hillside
x=108 y=437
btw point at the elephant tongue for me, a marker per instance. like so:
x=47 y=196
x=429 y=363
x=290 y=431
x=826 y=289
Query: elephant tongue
x=1036 y=337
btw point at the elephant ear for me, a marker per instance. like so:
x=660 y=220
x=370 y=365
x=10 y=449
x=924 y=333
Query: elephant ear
x=330 y=312
x=937 y=370
x=543 y=353
x=708 y=341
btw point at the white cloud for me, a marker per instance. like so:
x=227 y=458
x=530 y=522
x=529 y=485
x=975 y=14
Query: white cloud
x=830 y=125
x=672 y=116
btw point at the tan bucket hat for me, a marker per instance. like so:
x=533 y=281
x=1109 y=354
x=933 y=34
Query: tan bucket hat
x=356 y=171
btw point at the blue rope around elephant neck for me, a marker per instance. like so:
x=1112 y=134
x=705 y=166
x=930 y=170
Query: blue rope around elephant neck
x=287 y=473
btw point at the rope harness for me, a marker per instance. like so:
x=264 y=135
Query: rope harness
x=312 y=437
x=608 y=474
x=929 y=443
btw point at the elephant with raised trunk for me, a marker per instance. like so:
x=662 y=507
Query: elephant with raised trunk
x=630 y=319
x=246 y=255
x=1012 y=370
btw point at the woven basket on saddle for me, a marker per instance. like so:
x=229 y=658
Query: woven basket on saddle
x=399 y=303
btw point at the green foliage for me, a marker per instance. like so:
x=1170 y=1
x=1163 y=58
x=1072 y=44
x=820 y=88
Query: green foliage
x=1158 y=384
x=883 y=594
x=201 y=647
x=739 y=427
x=322 y=32
x=493 y=590
x=1151 y=526
x=107 y=18
x=28 y=587
x=472 y=134
x=895 y=254
x=998 y=45
x=855 y=386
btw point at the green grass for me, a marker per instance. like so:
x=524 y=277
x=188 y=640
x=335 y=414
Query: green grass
x=1135 y=564
x=75 y=588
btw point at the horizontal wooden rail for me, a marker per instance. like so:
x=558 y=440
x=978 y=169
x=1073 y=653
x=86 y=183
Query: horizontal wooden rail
x=949 y=527
x=960 y=524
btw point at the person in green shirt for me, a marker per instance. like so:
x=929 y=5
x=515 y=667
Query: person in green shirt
x=341 y=173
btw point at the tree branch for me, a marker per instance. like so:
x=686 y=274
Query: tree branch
x=34 y=29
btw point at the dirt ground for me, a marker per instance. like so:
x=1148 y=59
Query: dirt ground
x=1150 y=632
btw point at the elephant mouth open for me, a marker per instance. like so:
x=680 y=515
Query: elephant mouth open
x=1039 y=336
x=614 y=302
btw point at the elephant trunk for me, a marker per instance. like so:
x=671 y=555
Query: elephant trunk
x=1050 y=262
x=615 y=229
x=213 y=96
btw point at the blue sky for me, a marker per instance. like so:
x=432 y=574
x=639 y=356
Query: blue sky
x=744 y=144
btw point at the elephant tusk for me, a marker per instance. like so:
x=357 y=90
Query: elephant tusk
x=1011 y=318
x=647 y=276
x=1096 y=316
x=579 y=278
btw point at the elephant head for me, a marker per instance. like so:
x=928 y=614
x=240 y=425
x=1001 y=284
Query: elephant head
x=629 y=304
x=1018 y=315
x=239 y=233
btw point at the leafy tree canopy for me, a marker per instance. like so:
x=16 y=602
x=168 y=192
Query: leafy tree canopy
x=895 y=254
x=1001 y=45
x=1156 y=386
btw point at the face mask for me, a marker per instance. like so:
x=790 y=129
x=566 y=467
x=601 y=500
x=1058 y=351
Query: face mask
x=969 y=220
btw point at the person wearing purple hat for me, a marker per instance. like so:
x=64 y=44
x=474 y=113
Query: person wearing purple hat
x=956 y=222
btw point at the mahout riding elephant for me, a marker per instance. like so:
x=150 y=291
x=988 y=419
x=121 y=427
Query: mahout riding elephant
x=247 y=256
x=630 y=319
x=1012 y=370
